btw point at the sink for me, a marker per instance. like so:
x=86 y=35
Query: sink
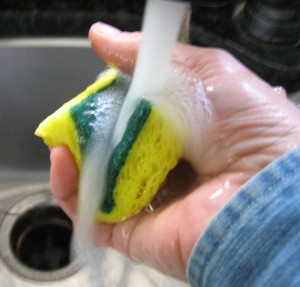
x=36 y=77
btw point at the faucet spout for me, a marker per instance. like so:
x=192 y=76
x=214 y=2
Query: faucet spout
x=273 y=21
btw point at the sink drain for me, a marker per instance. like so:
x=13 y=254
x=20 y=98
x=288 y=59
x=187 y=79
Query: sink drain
x=41 y=238
x=35 y=239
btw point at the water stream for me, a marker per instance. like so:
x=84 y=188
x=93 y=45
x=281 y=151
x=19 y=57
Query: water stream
x=162 y=22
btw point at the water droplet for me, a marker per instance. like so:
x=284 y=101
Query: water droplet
x=209 y=89
x=217 y=193
x=280 y=91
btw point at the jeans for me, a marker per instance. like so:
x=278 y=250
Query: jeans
x=255 y=239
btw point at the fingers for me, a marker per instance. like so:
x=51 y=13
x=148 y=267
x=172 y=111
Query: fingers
x=115 y=47
x=120 y=49
x=64 y=179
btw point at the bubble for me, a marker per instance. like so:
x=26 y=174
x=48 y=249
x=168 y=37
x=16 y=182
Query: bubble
x=280 y=91
x=210 y=89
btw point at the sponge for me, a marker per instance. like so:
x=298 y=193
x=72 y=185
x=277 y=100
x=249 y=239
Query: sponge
x=67 y=126
x=149 y=147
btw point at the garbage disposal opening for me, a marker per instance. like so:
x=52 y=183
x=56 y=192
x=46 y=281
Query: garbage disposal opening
x=41 y=238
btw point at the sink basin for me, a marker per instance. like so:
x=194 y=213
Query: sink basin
x=36 y=77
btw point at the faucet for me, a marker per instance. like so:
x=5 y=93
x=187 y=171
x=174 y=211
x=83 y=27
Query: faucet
x=263 y=34
x=273 y=21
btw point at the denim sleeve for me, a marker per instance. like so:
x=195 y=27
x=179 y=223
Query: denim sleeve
x=255 y=239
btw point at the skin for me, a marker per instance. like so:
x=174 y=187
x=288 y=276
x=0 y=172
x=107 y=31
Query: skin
x=253 y=125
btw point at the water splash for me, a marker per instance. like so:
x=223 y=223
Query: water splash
x=161 y=25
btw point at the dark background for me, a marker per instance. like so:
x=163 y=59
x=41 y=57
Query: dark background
x=221 y=26
x=66 y=18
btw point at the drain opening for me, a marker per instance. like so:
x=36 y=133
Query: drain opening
x=41 y=238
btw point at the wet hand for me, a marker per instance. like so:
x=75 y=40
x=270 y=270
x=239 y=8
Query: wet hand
x=252 y=125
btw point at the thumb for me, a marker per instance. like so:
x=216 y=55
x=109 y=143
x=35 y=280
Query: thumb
x=115 y=47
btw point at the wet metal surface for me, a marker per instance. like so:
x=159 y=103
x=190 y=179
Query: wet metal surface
x=102 y=267
x=36 y=77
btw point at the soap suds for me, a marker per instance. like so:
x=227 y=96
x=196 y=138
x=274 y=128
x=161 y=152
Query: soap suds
x=161 y=25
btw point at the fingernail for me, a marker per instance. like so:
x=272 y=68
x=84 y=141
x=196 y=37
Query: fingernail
x=104 y=29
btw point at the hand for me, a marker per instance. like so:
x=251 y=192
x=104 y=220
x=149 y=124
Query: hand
x=253 y=124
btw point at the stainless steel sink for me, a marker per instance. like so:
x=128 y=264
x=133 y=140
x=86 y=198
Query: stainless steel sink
x=36 y=77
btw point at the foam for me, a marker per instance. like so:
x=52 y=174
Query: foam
x=161 y=25
x=96 y=157
x=183 y=99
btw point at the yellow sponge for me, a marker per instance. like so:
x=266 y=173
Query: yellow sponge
x=60 y=129
x=138 y=165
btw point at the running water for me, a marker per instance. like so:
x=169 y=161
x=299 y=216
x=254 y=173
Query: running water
x=161 y=25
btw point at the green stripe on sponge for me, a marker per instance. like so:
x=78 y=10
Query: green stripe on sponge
x=149 y=149
x=120 y=153
x=85 y=113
